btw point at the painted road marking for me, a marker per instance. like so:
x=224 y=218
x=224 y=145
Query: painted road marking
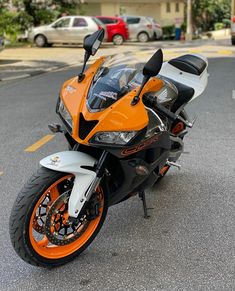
x=233 y=94
x=39 y=143
x=1 y=173
x=195 y=51
x=191 y=51
x=225 y=52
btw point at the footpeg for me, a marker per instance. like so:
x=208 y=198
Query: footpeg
x=173 y=164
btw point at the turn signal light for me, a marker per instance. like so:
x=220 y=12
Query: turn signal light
x=141 y=170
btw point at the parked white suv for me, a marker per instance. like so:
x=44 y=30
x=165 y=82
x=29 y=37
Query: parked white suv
x=68 y=29
x=140 y=28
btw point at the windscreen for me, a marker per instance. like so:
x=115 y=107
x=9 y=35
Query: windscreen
x=113 y=80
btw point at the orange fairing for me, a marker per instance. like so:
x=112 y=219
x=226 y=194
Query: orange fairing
x=120 y=116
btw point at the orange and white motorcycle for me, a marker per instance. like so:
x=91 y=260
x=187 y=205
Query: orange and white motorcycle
x=124 y=122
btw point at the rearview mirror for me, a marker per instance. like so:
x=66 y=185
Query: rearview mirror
x=92 y=42
x=154 y=64
x=151 y=69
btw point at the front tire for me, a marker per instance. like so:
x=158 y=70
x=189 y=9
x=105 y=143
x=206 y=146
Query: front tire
x=118 y=39
x=28 y=221
x=143 y=37
x=233 y=40
x=40 y=40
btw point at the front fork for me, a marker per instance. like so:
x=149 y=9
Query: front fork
x=87 y=171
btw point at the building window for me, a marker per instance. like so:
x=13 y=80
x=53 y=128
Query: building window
x=168 y=7
x=177 y=7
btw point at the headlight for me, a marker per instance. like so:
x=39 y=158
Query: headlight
x=113 y=137
x=64 y=114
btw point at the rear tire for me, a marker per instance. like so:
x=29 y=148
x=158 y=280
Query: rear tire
x=233 y=40
x=118 y=39
x=40 y=40
x=143 y=37
x=23 y=213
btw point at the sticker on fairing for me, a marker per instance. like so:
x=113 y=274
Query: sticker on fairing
x=107 y=94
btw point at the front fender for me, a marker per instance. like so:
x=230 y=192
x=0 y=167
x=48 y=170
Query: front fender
x=73 y=162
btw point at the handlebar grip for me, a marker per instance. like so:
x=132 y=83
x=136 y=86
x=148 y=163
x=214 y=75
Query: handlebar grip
x=162 y=110
x=152 y=101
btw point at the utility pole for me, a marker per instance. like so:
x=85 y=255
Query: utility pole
x=189 y=20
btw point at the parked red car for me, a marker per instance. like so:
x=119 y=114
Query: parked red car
x=117 y=29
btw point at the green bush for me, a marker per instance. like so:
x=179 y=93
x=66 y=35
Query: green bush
x=218 y=25
x=9 y=28
x=184 y=26
x=44 y=16
x=226 y=22
x=168 y=32
x=24 y=20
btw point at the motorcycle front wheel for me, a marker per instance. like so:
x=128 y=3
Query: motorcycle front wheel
x=40 y=230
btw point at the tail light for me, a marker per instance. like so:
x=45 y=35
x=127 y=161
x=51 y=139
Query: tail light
x=233 y=19
x=149 y=26
x=99 y=26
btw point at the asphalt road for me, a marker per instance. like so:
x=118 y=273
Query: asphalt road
x=187 y=244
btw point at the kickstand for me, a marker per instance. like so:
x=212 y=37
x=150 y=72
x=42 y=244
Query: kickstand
x=143 y=198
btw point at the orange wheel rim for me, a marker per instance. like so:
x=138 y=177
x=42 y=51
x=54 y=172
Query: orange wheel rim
x=42 y=245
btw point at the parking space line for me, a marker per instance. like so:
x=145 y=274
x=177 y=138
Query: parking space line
x=225 y=52
x=39 y=143
x=195 y=51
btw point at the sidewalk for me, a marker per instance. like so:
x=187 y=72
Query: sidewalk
x=16 y=63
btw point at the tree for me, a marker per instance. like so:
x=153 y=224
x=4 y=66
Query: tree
x=45 y=11
x=68 y=6
x=207 y=12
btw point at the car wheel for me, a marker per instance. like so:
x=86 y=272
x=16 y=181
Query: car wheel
x=143 y=37
x=118 y=39
x=40 y=40
x=233 y=40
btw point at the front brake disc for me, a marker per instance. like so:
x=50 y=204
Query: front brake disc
x=58 y=228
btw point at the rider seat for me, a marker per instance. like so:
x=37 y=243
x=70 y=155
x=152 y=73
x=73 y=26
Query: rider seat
x=189 y=64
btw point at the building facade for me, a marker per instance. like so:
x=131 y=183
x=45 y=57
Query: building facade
x=165 y=12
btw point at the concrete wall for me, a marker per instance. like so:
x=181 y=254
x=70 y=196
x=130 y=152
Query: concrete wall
x=110 y=9
x=156 y=9
x=152 y=10
x=172 y=17
x=92 y=9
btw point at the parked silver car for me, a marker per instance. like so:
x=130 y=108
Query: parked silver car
x=157 y=28
x=140 y=28
x=68 y=29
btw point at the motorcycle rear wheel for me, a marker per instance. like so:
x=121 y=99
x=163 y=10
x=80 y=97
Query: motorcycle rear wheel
x=27 y=221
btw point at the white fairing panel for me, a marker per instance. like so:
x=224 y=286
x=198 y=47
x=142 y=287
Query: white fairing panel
x=198 y=83
x=73 y=162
